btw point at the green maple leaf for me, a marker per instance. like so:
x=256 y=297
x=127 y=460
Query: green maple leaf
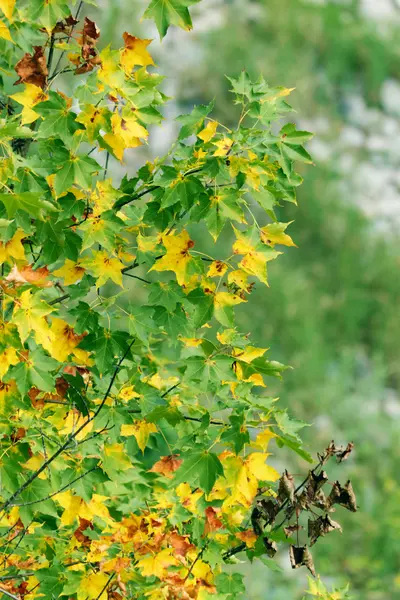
x=57 y=119
x=170 y=12
x=35 y=372
x=200 y=466
x=29 y=202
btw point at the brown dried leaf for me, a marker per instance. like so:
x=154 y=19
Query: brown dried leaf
x=286 y=487
x=301 y=556
x=32 y=68
x=344 y=496
x=319 y=527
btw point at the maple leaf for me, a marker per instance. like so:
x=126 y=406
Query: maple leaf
x=7 y=7
x=127 y=393
x=13 y=249
x=249 y=353
x=63 y=340
x=93 y=587
x=213 y=523
x=31 y=96
x=223 y=146
x=274 y=233
x=73 y=421
x=177 y=257
x=180 y=543
x=141 y=430
x=156 y=565
x=248 y=537
x=71 y=272
x=93 y=118
x=126 y=133
x=208 y=132
x=104 y=268
x=5 y=32
x=217 y=269
x=255 y=254
x=32 y=68
x=135 y=53
x=29 y=315
x=7 y=358
x=170 y=12
x=188 y=498
x=26 y=274
x=166 y=465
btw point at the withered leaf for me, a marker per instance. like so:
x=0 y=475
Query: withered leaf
x=314 y=484
x=270 y=547
x=344 y=496
x=292 y=529
x=344 y=455
x=319 y=527
x=301 y=556
x=286 y=487
x=32 y=68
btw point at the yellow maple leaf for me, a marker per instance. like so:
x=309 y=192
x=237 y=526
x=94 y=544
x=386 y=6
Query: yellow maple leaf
x=240 y=279
x=161 y=383
x=71 y=272
x=217 y=269
x=263 y=439
x=243 y=476
x=31 y=96
x=256 y=465
x=34 y=463
x=249 y=353
x=126 y=133
x=7 y=358
x=135 y=53
x=104 y=268
x=5 y=32
x=93 y=587
x=223 y=146
x=63 y=340
x=7 y=6
x=73 y=421
x=157 y=564
x=191 y=342
x=127 y=393
x=177 y=257
x=74 y=507
x=93 y=118
x=29 y=315
x=223 y=299
x=208 y=132
x=274 y=233
x=141 y=430
x=254 y=261
x=13 y=249
x=188 y=498
x=118 y=453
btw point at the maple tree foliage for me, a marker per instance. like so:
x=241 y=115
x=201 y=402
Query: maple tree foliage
x=136 y=435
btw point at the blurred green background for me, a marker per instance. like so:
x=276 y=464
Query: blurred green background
x=332 y=311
